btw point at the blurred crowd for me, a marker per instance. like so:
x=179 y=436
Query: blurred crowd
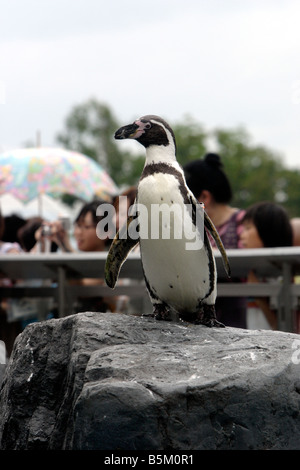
x=38 y=235
x=265 y=224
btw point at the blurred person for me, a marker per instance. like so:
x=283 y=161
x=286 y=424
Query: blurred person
x=85 y=225
x=8 y=329
x=12 y=223
x=29 y=309
x=87 y=240
x=85 y=233
x=295 y=223
x=210 y=185
x=7 y=246
x=30 y=235
x=265 y=225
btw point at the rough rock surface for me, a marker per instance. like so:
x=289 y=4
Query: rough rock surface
x=2 y=372
x=111 y=381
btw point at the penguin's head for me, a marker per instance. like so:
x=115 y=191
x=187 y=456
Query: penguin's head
x=148 y=130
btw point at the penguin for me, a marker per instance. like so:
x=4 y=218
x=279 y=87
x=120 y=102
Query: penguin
x=177 y=259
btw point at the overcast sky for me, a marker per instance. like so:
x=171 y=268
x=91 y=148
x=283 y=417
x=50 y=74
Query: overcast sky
x=224 y=62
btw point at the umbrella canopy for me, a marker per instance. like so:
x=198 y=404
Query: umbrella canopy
x=43 y=206
x=9 y=204
x=27 y=173
x=46 y=207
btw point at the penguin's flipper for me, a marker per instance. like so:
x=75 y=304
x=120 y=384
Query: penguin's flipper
x=121 y=246
x=213 y=231
x=208 y=224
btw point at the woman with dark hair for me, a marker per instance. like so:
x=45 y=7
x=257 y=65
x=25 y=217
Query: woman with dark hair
x=12 y=223
x=265 y=225
x=209 y=184
x=7 y=246
x=86 y=236
x=208 y=174
x=89 y=239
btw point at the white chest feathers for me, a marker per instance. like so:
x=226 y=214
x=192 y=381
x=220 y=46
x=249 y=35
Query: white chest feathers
x=175 y=259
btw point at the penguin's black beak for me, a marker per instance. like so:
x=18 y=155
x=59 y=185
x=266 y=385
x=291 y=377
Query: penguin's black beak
x=127 y=132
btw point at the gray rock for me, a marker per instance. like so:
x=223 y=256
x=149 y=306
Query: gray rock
x=111 y=381
x=2 y=371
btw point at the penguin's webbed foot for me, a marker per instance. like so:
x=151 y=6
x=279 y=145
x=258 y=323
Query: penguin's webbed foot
x=212 y=323
x=160 y=312
x=207 y=317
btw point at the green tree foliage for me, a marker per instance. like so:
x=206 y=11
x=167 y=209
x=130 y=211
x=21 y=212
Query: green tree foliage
x=288 y=183
x=89 y=129
x=256 y=173
x=190 y=140
x=253 y=170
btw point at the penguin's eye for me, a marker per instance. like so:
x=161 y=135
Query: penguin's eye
x=148 y=125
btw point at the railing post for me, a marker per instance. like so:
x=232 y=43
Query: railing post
x=61 y=291
x=285 y=301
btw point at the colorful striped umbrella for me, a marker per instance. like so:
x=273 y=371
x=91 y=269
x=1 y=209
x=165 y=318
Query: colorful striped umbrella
x=27 y=173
